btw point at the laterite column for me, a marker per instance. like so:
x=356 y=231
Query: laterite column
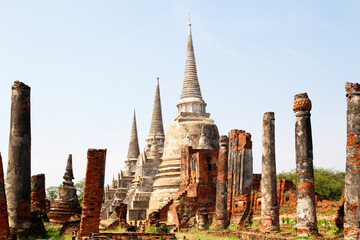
x=93 y=192
x=4 y=223
x=269 y=203
x=306 y=211
x=352 y=175
x=19 y=168
x=38 y=195
x=221 y=184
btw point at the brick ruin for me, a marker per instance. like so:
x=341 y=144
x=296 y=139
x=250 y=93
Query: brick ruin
x=240 y=177
x=93 y=192
x=352 y=177
x=66 y=204
x=38 y=196
x=269 y=201
x=4 y=222
x=306 y=210
x=18 y=170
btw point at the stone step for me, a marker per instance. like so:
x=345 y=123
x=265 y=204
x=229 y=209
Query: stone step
x=169 y=165
x=168 y=175
x=169 y=169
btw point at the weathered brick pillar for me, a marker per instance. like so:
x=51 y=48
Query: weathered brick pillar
x=38 y=195
x=269 y=203
x=352 y=176
x=18 y=170
x=203 y=219
x=240 y=177
x=93 y=192
x=4 y=223
x=221 y=184
x=306 y=211
x=122 y=211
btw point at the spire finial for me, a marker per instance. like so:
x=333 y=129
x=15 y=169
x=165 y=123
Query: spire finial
x=133 y=151
x=156 y=120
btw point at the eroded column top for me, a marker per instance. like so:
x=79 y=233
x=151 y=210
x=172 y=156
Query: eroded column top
x=301 y=102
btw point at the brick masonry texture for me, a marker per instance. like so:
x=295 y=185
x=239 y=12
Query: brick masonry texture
x=269 y=206
x=240 y=177
x=221 y=183
x=306 y=206
x=4 y=224
x=38 y=195
x=352 y=175
x=19 y=171
x=93 y=192
x=135 y=236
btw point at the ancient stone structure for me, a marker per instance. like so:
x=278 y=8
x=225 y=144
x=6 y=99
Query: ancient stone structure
x=133 y=151
x=269 y=205
x=19 y=170
x=352 y=176
x=203 y=219
x=4 y=222
x=93 y=192
x=66 y=203
x=197 y=188
x=121 y=211
x=38 y=196
x=192 y=127
x=147 y=165
x=240 y=177
x=306 y=212
x=114 y=195
x=221 y=184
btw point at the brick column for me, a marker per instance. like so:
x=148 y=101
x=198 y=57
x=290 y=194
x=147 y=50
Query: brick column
x=38 y=195
x=240 y=176
x=269 y=203
x=352 y=177
x=4 y=223
x=221 y=183
x=93 y=192
x=18 y=170
x=306 y=212
x=203 y=219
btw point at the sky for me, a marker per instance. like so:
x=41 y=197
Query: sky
x=91 y=63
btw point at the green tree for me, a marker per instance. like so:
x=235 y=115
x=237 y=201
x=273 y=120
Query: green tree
x=79 y=186
x=52 y=191
x=328 y=182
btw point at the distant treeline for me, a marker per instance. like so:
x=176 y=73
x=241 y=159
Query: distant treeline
x=329 y=183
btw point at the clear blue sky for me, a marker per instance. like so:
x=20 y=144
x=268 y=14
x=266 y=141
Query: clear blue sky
x=90 y=63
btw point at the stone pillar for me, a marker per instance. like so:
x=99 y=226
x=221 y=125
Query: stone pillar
x=306 y=211
x=203 y=219
x=269 y=203
x=38 y=195
x=221 y=184
x=19 y=171
x=93 y=192
x=352 y=175
x=4 y=223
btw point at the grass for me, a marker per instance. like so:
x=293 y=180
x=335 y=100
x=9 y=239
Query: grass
x=117 y=229
x=53 y=232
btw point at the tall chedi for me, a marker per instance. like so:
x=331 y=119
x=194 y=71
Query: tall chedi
x=114 y=195
x=138 y=196
x=133 y=152
x=192 y=125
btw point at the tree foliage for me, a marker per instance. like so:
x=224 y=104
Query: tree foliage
x=328 y=182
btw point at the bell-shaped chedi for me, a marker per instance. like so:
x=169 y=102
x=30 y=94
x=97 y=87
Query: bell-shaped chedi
x=192 y=127
x=66 y=203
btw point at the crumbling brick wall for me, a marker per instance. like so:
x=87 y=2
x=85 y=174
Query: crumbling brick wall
x=38 y=195
x=93 y=192
x=240 y=176
x=198 y=185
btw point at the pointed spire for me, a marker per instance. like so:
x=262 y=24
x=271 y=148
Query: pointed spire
x=133 y=151
x=68 y=176
x=191 y=87
x=156 y=126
